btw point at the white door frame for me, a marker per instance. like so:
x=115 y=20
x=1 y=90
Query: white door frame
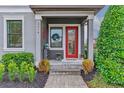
x=64 y=38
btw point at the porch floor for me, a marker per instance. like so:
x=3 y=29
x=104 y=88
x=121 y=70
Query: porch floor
x=65 y=81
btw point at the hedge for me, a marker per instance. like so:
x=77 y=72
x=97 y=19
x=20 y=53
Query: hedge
x=110 y=46
x=17 y=57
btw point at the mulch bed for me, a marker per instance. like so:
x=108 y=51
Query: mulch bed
x=39 y=82
x=89 y=76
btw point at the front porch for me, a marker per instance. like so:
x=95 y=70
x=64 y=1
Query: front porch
x=69 y=45
x=69 y=27
x=75 y=46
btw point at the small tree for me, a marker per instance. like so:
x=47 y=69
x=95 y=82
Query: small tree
x=110 y=44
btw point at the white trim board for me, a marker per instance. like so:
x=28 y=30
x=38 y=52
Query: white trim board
x=65 y=13
x=19 y=9
x=5 y=32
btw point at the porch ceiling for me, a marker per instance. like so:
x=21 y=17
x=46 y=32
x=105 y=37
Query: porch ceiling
x=65 y=20
x=95 y=8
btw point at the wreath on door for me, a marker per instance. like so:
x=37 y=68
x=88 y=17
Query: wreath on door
x=55 y=37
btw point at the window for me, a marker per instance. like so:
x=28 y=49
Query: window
x=13 y=33
x=56 y=37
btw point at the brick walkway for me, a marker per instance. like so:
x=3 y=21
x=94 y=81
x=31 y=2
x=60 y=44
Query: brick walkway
x=65 y=81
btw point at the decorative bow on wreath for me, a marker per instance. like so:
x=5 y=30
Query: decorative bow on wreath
x=55 y=37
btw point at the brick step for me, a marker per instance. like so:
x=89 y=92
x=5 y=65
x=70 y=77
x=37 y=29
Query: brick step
x=64 y=69
x=69 y=67
x=65 y=72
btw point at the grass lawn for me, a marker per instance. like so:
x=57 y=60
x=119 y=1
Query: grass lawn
x=98 y=82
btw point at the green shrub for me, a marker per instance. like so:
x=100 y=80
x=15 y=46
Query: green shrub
x=98 y=82
x=112 y=72
x=26 y=70
x=18 y=58
x=12 y=70
x=23 y=69
x=31 y=73
x=19 y=64
x=2 y=69
x=110 y=46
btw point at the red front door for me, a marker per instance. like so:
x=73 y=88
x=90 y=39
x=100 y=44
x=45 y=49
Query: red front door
x=72 y=42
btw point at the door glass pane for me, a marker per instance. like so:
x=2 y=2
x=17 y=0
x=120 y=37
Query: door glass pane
x=71 y=41
x=56 y=37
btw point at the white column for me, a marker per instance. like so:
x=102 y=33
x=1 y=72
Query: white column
x=38 y=20
x=82 y=38
x=90 y=37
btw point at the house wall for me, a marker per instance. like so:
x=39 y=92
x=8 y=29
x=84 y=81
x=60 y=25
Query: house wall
x=29 y=31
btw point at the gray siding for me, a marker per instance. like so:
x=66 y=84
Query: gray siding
x=29 y=32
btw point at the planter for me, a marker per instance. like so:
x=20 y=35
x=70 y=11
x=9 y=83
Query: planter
x=89 y=76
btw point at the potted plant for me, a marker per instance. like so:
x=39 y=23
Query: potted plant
x=44 y=66
x=87 y=69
